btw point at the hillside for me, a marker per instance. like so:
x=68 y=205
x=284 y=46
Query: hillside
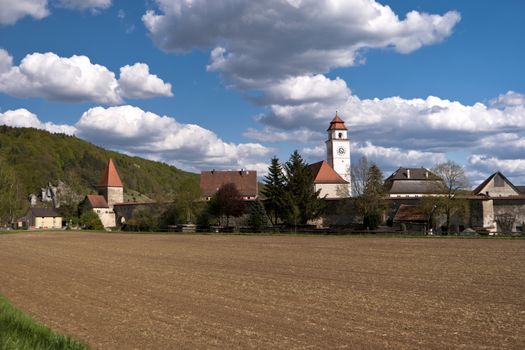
x=35 y=158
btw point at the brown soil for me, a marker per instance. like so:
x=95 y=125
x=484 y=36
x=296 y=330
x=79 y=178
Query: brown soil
x=191 y=291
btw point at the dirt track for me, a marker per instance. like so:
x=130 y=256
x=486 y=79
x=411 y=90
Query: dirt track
x=181 y=291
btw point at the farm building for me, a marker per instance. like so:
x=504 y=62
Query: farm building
x=42 y=218
x=244 y=180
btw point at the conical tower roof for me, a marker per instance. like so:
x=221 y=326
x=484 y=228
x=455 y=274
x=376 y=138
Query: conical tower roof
x=337 y=123
x=110 y=178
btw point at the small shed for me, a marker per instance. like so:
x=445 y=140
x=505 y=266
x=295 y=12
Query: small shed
x=412 y=217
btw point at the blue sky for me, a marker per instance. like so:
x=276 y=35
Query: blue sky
x=230 y=83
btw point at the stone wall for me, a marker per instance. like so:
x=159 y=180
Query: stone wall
x=514 y=207
x=113 y=195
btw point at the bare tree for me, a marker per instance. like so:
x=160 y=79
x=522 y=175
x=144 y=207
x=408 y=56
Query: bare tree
x=359 y=176
x=454 y=181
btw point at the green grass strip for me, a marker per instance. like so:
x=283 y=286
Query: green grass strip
x=18 y=331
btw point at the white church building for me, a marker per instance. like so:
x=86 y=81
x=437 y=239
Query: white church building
x=333 y=176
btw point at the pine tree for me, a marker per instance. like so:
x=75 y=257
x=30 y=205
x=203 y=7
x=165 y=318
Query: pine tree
x=372 y=203
x=274 y=187
x=258 y=218
x=302 y=201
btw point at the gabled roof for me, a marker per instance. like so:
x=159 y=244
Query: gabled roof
x=43 y=212
x=414 y=187
x=412 y=174
x=337 y=124
x=324 y=174
x=244 y=180
x=481 y=187
x=97 y=201
x=412 y=213
x=110 y=178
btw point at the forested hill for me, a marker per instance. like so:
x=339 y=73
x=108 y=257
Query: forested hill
x=35 y=158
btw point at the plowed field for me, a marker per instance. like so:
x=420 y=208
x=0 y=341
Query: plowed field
x=117 y=291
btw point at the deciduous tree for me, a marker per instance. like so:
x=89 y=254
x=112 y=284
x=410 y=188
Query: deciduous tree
x=454 y=181
x=227 y=201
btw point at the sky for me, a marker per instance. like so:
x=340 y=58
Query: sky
x=228 y=84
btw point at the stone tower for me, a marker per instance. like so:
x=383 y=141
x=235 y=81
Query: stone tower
x=110 y=185
x=338 y=149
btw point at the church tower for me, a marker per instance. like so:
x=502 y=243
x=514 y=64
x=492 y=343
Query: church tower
x=338 y=149
x=110 y=185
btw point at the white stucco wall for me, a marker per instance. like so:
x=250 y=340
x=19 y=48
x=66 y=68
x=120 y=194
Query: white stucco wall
x=107 y=216
x=333 y=190
x=48 y=222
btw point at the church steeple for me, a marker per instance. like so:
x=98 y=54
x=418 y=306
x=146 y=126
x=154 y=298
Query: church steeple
x=338 y=149
x=110 y=186
x=110 y=178
x=337 y=123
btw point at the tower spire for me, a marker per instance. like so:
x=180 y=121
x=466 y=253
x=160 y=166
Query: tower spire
x=110 y=177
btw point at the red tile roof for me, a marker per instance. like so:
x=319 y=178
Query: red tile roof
x=97 y=201
x=244 y=180
x=110 y=177
x=410 y=213
x=337 y=124
x=325 y=174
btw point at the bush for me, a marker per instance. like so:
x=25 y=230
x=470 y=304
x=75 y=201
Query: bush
x=90 y=221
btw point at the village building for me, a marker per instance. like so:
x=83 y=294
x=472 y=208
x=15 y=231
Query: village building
x=411 y=218
x=413 y=182
x=244 y=180
x=333 y=176
x=330 y=183
x=42 y=218
x=496 y=201
x=110 y=192
x=338 y=156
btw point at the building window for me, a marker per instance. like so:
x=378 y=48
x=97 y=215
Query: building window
x=499 y=182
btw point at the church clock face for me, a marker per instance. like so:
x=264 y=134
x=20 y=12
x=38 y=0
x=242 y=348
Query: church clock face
x=341 y=150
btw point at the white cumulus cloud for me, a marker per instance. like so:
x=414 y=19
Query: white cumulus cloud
x=269 y=39
x=136 y=82
x=22 y=118
x=13 y=10
x=190 y=146
x=75 y=79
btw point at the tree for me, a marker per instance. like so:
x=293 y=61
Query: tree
x=10 y=204
x=258 y=218
x=454 y=181
x=371 y=204
x=359 y=173
x=274 y=187
x=147 y=218
x=187 y=194
x=301 y=200
x=227 y=201
x=89 y=220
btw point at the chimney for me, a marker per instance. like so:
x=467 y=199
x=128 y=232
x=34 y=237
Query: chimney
x=408 y=173
x=426 y=175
